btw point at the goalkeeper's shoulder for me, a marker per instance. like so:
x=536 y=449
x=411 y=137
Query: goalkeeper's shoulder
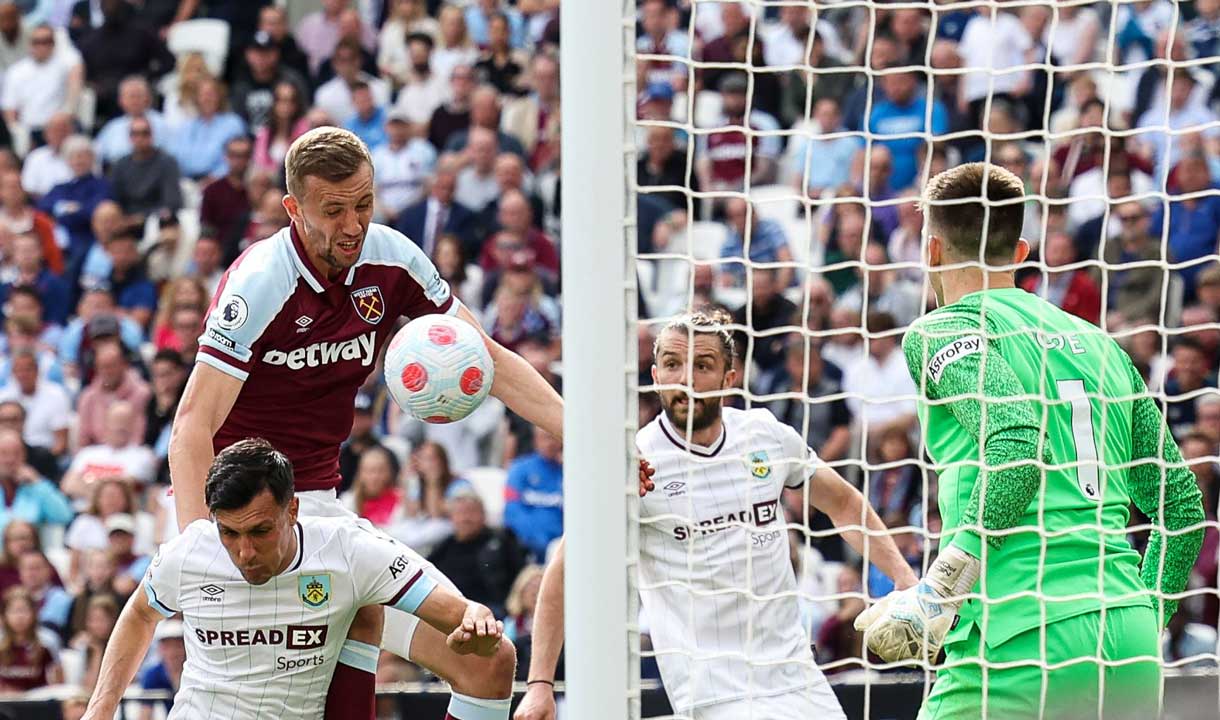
x=942 y=335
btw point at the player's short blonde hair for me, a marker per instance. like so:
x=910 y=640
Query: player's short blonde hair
x=331 y=153
x=990 y=226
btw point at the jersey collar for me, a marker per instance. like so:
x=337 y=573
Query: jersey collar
x=675 y=437
x=317 y=281
x=296 y=564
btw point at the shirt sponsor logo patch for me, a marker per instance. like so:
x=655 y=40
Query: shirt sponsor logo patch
x=233 y=313
x=315 y=589
x=362 y=348
x=766 y=512
x=221 y=339
x=951 y=353
x=369 y=304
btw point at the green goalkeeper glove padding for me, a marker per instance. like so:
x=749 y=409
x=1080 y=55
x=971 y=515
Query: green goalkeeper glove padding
x=912 y=623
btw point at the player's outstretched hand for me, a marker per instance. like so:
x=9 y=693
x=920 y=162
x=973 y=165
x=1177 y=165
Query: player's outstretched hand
x=478 y=634
x=646 y=473
x=538 y=703
x=912 y=624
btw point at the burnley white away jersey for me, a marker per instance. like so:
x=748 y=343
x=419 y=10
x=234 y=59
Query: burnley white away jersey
x=716 y=581
x=269 y=650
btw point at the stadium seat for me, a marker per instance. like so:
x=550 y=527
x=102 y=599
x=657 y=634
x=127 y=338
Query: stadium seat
x=206 y=36
x=775 y=202
x=489 y=482
x=803 y=240
x=701 y=241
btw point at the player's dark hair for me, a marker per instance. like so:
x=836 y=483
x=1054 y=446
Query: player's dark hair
x=966 y=226
x=242 y=471
x=704 y=321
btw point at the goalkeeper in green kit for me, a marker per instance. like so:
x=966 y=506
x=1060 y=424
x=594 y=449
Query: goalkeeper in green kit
x=1044 y=435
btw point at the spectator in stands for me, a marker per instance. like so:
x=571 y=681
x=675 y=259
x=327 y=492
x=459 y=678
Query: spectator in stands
x=454 y=46
x=95 y=309
x=41 y=84
x=405 y=17
x=376 y=494
x=453 y=115
x=1191 y=372
x=826 y=84
x=877 y=162
x=166 y=675
x=476 y=182
x=823 y=164
x=403 y=165
x=19 y=217
x=883 y=289
x=107 y=222
x=20 y=537
x=481 y=14
x=97 y=582
x=1203 y=31
x=254 y=90
x=88 y=531
x=903 y=111
x=465 y=278
x=72 y=203
x=368 y=122
x=1194 y=222
x=115 y=381
x=516 y=225
x=118 y=454
x=824 y=423
x=837 y=640
x=1073 y=290
x=318 y=33
x=179 y=292
x=877 y=378
x=767 y=243
x=766 y=309
x=285 y=122
x=199 y=143
x=34 y=281
x=45 y=166
x=483 y=562
x=180 y=98
x=533 y=495
x=364 y=435
x=351 y=29
x=721 y=160
x=534 y=119
x=146 y=182
x=225 y=201
x=136 y=100
x=26 y=494
x=135 y=295
x=1187 y=109
x=334 y=96
x=425 y=522
x=121 y=47
x=499 y=64
x=993 y=42
x=485 y=113
x=1135 y=293
x=130 y=565
x=14 y=35
x=440 y=212
x=27 y=660
x=1208 y=288
x=1207 y=420
x=207 y=261
x=268 y=218
x=46 y=410
x=40 y=580
x=894 y=488
x=423 y=89
x=662 y=164
x=168 y=373
x=101 y=614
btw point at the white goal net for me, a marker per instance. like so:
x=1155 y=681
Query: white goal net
x=776 y=160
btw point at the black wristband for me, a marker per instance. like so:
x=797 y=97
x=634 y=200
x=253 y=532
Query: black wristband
x=548 y=682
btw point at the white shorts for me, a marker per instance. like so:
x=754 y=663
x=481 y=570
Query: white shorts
x=815 y=703
x=399 y=626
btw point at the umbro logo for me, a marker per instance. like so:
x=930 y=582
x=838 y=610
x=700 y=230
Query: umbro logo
x=212 y=593
x=303 y=323
x=675 y=488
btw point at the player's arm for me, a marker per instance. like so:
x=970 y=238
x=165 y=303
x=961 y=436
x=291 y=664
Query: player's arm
x=953 y=364
x=519 y=385
x=124 y=652
x=206 y=402
x=1177 y=516
x=846 y=506
x=547 y=639
x=471 y=628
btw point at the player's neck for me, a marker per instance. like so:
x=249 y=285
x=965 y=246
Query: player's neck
x=957 y=284
x=703 y=437
x=290 y=553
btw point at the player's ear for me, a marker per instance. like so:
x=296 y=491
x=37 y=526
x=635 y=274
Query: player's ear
x=291 y=205
x=294 y=505
x=935 y=248
x=654 y=374
x=1022 y=251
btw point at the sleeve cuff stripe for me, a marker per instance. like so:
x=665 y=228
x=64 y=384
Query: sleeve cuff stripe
x=416 y=591
x=403 y=591
x=155 y=603
x=221 y=365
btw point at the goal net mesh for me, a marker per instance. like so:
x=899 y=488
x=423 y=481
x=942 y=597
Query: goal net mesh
x=781 y=148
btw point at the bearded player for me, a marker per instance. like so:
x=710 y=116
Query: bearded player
x=716 y=578
x=1045 y=435
x=295 y=327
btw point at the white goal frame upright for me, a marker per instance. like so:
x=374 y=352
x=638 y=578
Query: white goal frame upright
x=601 y=666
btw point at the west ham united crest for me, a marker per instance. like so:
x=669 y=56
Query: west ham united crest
x=369 y=304
x=315 y=589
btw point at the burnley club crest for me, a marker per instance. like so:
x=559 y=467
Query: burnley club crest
x=315 y=589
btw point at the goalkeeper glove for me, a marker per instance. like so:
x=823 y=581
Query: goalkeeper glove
x=912 y=623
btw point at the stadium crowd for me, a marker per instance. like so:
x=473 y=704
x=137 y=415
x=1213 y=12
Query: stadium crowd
x=139 y=160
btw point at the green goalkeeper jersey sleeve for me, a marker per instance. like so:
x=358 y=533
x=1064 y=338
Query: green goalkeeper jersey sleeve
x=1036 y=427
